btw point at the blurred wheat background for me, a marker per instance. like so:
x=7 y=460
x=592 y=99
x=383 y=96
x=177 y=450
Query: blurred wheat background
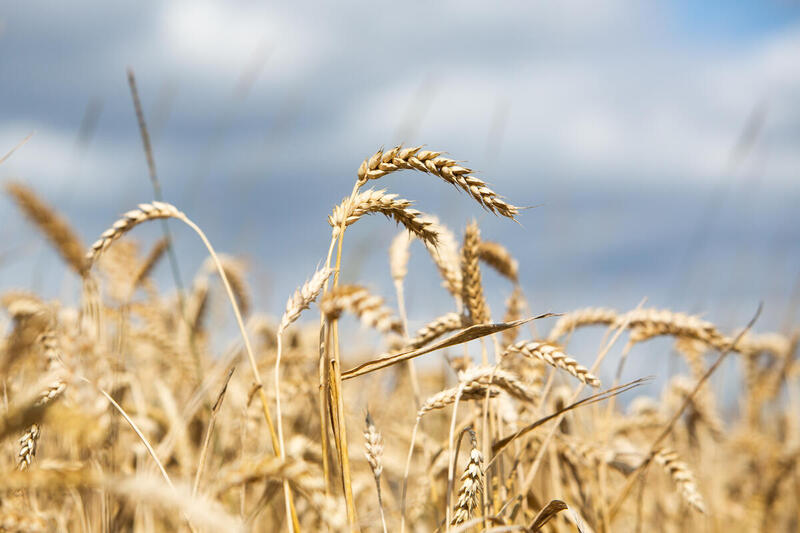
x=656 y=146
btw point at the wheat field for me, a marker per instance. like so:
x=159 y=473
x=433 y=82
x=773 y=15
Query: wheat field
x=121 y=413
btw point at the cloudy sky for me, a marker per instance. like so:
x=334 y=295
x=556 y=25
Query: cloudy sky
x=659 y=142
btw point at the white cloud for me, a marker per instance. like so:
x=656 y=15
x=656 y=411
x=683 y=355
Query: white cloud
x=219 y=38
x=656 y=114
x=51 y=158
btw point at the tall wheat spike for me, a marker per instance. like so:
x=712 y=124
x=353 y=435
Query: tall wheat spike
x=399 y=158
x=472 y=289
x=52 y=225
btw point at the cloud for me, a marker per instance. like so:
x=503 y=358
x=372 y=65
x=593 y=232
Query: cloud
x=215 y=39
x=51 y=159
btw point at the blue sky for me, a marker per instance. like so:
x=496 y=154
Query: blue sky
x=618 y=119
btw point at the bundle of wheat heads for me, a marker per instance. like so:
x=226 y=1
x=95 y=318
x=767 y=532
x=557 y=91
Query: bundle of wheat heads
x=119 y=414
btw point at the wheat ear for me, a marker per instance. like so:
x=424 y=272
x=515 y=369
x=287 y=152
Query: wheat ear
x=160 y=210
x=682 y=477
x=398 y=158
x=301 y=299
x=647 y=323
x=499 y=258
x=372 y=201
x=446 y=256
x=51 y=224
x=474 y=383
x=373 y=450
x=436 y=328
x=554 y=356
x=30 y=440
x=472 y=289
x=131 y=219
x=149 y=263
x=368 y=308
x=471 y=484
x=590 y=316
x=515 y=309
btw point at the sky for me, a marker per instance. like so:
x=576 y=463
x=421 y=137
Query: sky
x=658 y=142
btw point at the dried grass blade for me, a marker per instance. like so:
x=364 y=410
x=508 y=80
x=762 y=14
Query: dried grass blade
x=547 y=513
x=499 y=445
x=471 y=333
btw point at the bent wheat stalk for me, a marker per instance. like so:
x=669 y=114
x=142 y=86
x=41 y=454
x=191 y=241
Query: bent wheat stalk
x=160 y=210
x=301 y=299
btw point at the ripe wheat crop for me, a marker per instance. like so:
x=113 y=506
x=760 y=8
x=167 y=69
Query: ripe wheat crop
x=121 y=413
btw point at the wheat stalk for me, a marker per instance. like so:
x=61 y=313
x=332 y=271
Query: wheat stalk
x=399 y=158
x=553 y=356
x=160 y=210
